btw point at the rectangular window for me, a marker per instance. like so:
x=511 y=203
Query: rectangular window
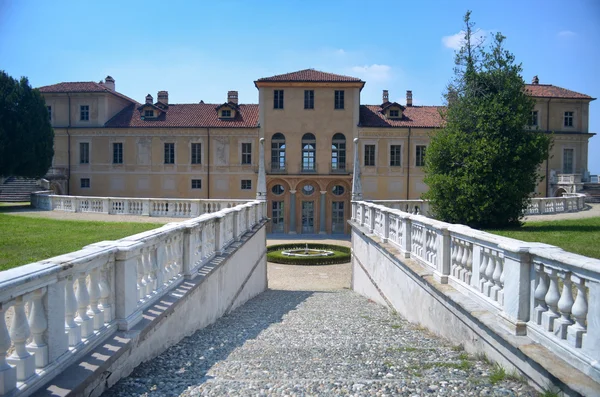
x=420 y=158
x=278 y=99
x=49 y=112
x=309 y=99
x=84 y=112
x=196 y=183
x=117 y=153
x=567 y=161
x=226 y=113
x=395 y=155
x=84 y=153
x=246 y=153
x=169 y=153
x=534 y=118
x=394 y=113
x=568 y=119
x=339 y=99
x=369 y=155
x=85 y=182
x=246 y=184
x=196 y=153
x=148 y=113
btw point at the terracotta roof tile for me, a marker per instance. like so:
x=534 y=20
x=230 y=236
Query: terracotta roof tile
x=552 y=91
x=310 y=75
x=413 y=116
x=200 y=115
x=80 y=86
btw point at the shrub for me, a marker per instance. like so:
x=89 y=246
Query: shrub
x=340 y=254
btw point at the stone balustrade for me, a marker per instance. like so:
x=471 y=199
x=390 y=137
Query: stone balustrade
x=179 y=208
x=57 y=310
x=535 y=289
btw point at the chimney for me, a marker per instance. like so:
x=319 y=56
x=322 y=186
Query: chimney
x=163 y=96
x=535 y=80
x=232 y=96
x=149 y=99
x=408 y=98
x=109 y=83
x=386 y=96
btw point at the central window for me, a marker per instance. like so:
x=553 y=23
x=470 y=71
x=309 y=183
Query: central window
x=420 y=157
x=309 y=99
x=339 y=100
x=196 y=153
x=369 y=155
x=394 y=113
x=84 y=153
x=226 y=113
x=568 y=119
x=246 y=153
x=309 y=143
x=84 y=112
x=278 y=99
x=278 y=152
x=117 y=153
x=395 y=155
x=338 y=152
x=169 y=153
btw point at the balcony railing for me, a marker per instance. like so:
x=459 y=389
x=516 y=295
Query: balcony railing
x=278 y=167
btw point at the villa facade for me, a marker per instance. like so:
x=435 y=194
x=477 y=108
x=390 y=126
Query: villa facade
x=107 y=144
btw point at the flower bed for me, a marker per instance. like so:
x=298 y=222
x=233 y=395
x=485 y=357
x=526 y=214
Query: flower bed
x=340 y=254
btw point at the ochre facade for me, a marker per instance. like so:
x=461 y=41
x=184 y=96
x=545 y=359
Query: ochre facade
x=107 y=144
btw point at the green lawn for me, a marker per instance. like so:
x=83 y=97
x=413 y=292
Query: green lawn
x=24 y=240
x=581 y=236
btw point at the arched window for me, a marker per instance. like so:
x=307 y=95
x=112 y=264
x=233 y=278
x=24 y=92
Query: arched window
x=309 y=143
x=338 y=153
x=278 y=153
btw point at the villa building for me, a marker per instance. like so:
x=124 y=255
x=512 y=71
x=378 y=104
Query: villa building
x=107 y=144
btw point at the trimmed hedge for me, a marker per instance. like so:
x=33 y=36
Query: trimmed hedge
x=340 y=254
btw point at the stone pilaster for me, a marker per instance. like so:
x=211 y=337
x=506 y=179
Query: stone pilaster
x=356 y=185
x=261 y=184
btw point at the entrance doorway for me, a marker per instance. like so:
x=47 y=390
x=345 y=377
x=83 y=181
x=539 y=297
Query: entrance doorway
x=308 y=217
x=337 y=217
x=277 y=223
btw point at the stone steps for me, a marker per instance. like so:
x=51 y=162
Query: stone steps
x=18 y=189
x=315 y=343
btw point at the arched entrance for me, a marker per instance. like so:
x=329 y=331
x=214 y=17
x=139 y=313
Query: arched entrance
x=559 y=192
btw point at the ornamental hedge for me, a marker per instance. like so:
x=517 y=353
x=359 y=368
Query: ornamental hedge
x=340 y=254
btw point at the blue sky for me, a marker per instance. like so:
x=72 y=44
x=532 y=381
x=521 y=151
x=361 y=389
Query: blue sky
x=199 y=50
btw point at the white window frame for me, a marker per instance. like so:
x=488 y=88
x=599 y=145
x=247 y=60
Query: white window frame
x=572 y=119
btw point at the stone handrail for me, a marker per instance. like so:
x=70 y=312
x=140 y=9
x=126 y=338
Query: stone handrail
x=56 y=310
x=179 y=208
x=535 y=289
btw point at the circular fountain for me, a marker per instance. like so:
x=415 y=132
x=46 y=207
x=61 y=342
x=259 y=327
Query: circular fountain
x=308 y=254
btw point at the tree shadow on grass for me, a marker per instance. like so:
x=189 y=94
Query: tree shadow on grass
x=18 y=207
x=558 y=228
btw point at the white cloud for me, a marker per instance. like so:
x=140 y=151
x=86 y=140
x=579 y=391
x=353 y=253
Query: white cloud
x=456 y=40
x=373 y=72
x=566 y=33
x=340 y=52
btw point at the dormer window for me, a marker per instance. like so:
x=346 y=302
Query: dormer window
x=394 y=113
x=148 y=113
x=226 y=113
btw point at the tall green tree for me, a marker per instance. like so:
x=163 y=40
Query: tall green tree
x=483 y=166
x=26 y=136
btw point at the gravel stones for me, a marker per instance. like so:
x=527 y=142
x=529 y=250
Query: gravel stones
x=295 y=343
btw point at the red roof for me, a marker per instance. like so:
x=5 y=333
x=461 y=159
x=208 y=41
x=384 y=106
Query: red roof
x=311 y=75
x=552 y=91
x=200 y=115
x=80 y=86
x=412 y=116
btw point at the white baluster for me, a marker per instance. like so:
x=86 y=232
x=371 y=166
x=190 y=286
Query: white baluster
x=496 y=277
x=147 y=260
x=83 y=300
x=94 y=289
x=540 y=293
x=469 y=268
x=485 y=258
x=463 y=261
x=552 y=297
x=141 y=281
x=72 y=328
x=19 y=332
x=565 y=303
x=579 y=310
x=501 y=284
x=105 y=294
x=38 y=325
x=8 y=374
x=489 y=274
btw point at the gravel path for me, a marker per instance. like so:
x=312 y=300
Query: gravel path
x=296 y=343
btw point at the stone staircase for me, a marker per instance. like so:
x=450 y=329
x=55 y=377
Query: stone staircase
x=314 y=343
x=592 y=191
x=16 y=189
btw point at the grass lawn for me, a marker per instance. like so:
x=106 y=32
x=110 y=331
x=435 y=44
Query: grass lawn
x=581 y=236
x=24 y=240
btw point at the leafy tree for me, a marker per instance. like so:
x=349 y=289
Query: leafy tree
x=26 y=137
x=482 y=167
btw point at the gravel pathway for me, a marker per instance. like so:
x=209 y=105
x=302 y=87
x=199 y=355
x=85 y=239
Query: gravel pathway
x=296 y=343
